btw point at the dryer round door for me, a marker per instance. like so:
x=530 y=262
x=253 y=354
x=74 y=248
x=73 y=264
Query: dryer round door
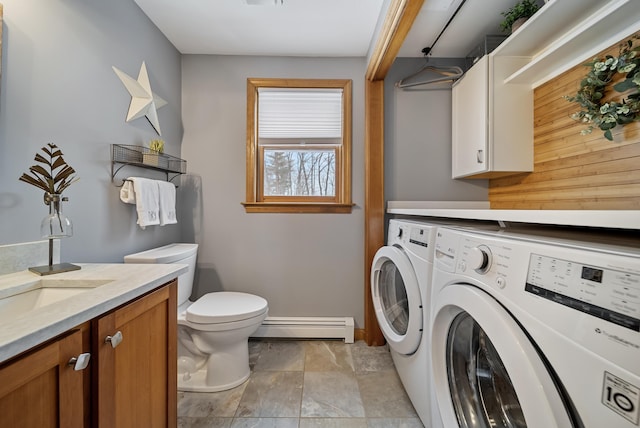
x=396 y=299
x=486 y=371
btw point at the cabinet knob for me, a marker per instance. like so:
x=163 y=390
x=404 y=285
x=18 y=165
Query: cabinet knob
x=480 y=156
x=114 y=340
x=80 y=362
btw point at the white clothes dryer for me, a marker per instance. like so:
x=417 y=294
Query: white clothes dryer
x=531 y=331
x=400 y=289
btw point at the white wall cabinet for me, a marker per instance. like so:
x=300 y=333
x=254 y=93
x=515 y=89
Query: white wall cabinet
x=493 y=103
x=492 y=121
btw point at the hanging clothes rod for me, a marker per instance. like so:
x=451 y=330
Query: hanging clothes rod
x=426 y=51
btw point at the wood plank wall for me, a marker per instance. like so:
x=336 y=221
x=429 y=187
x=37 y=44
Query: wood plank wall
x=573 y=171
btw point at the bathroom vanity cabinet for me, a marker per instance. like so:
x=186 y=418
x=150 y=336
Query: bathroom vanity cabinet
x=137 y=379
x=131 y=384
x=41 y=390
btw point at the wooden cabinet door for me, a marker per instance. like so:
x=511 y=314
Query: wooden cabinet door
x=137 y=379
x=41 y=389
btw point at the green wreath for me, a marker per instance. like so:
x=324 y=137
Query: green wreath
x=593 y=88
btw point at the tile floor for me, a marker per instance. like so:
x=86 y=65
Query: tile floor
x=307 y=384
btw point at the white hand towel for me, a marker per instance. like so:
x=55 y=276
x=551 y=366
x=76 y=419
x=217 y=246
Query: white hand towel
x=167 y=203
x=127 y=194
x=147 y=201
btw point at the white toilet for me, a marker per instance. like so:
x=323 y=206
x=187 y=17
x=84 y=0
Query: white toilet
x=213 y=331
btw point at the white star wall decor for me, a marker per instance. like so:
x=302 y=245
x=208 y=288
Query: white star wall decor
x=143 y=101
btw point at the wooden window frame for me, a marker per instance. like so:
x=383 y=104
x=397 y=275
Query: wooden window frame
x=255 y=201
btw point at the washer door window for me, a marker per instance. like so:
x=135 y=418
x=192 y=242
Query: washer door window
x=486 y=371
x=396 y=299
x=482 y=385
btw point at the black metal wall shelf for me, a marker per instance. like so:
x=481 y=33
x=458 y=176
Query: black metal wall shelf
x=144 y=157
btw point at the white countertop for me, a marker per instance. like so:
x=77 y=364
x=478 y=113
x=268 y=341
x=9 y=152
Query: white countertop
x=618 y=219
x=122 y=283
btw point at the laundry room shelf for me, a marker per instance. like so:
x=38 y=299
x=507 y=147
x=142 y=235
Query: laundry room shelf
x=143 y=157
x=611 y=219
x=564 y=33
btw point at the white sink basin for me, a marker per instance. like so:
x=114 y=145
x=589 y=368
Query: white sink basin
x=43 y=293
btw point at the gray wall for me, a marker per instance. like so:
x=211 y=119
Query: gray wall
x=58 y=86
x=418 y=141
x=303 y=264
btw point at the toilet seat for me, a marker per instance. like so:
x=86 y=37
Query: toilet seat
x=225 y=307
x=223 y=326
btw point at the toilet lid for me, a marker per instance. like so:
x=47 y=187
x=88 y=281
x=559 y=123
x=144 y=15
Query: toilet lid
x=225 y=306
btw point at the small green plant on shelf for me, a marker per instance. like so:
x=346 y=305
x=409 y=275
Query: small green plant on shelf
x=157 y=145
x=523 y=9
x=597 y=107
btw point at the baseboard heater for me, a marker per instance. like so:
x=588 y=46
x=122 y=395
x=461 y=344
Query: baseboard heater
x=307 y=328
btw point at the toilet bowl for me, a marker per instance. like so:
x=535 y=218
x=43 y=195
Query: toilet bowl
x=213 y=331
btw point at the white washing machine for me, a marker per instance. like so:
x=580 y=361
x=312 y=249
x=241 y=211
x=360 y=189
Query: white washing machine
x=531 y=331
x=400 y=289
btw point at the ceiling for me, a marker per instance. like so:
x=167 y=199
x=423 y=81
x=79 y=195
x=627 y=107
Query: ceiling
x=282 y=27
x=474 y=20
x=330 y=28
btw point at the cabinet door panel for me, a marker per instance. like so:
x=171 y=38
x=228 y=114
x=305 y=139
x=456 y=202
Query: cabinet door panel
x=470 y=105
x=40 y=390
x=136 y=385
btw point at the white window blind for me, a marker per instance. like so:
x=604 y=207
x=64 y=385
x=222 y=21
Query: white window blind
x=299 y=113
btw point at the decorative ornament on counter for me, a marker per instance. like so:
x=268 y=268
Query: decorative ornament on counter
x=143 y=101
x=54 y=177
x=51 y=181
x=598 y=109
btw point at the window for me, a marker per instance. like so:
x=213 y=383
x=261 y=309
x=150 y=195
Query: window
x=298 y=145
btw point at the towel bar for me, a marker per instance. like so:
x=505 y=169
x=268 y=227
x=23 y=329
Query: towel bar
x=126 y=179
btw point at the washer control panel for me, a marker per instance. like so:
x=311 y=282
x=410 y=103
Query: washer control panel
x=606 y=293
x=412 y=236
x=487 y=262
x=479 y=259
x=562 y=274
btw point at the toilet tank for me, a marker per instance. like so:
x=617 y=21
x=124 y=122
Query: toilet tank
x=172 y=253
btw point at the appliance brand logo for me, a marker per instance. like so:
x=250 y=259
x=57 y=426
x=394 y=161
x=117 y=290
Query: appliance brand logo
x=618 y=339
x=622 y=397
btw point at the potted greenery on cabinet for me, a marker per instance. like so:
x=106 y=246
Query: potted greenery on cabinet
x=517 y=15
